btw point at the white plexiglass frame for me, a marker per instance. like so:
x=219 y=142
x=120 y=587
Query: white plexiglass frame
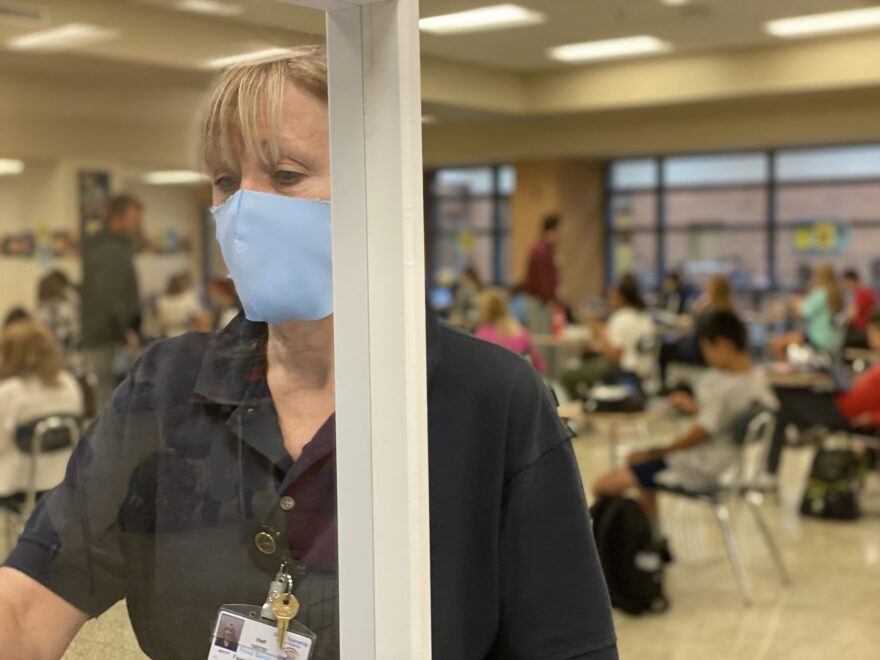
x=379 y=280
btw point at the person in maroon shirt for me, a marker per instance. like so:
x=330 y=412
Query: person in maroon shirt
x=542 y=278
x=858 y=407
x=862 y=303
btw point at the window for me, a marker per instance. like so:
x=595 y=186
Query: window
x=467 y=216
x=763 y=218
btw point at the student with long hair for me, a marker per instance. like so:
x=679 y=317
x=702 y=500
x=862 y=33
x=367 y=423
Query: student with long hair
x=32 y=385
x=817 y=311
x=718 y=297
x=501 y=327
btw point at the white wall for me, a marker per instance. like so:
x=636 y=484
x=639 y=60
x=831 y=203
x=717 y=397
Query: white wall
x=44 y=198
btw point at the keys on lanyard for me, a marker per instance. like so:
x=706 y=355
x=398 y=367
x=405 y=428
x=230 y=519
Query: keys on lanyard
x=285 y=607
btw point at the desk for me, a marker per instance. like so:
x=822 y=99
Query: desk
x=575 y=411
x=800 y=380
x=861 y=354
x=556 y=350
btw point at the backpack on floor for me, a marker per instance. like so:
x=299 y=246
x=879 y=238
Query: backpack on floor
x=833 y=487
x=631 y=560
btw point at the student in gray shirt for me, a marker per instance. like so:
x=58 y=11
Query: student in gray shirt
x=700 y=457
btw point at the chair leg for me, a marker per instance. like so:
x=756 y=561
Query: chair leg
x=722 y=515
x=754 y=507
x=613 y=443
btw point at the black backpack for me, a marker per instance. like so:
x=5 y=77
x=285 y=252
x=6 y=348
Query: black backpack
x=833 y=487
x=630 y=558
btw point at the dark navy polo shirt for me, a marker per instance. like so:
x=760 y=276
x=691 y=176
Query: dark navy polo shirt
x=167 y=491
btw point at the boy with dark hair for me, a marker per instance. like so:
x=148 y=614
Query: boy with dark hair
x=859 y=407
x=699 y=458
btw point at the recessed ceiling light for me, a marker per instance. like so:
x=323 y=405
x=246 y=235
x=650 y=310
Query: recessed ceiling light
x=245 y=58
x=495 y=17
x=609 y=49
x=65 y=37
x=676 y=3
x=211 y=7
x=174 y=177
x=838 y=21
x=10 y=166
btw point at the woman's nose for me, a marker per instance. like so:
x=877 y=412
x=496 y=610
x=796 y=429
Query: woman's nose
x=255 y=183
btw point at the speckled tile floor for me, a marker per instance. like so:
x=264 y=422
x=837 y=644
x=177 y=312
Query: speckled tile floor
x=830 y=611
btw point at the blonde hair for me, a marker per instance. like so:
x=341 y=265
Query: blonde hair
x=251 y=95
x=720 y=295
x=29 y=351
x=826 y=277
x=493 y=304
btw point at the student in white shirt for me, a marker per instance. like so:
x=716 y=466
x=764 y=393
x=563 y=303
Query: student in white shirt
x=699 y=459
x=32 y=386
x=617 y=346
x=178 y=309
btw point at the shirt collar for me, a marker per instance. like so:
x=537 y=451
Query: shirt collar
x=233 y=369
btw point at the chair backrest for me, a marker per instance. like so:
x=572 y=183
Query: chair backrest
x=650 y=346
x=43 y=436
x=759 y=425
x=48 y=434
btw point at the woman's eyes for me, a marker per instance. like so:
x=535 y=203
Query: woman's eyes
x=287 y=177
x=226 y=183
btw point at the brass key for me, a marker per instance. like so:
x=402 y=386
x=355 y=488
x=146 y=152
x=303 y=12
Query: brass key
x=285 y=607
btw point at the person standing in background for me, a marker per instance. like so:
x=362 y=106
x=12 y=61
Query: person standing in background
x=542 y=278
x=111 y=308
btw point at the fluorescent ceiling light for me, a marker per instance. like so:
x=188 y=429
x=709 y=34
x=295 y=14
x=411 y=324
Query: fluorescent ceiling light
x=72 y=35
x=244 y=58
x=838 y=21
x=174 y=177
x=608 y=49
x=496 y=17
x=10 y=166
x=676 y=3
x=211 y=7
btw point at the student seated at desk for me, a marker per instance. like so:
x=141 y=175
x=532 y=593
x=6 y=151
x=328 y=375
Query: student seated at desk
x=499 y=326
x=717 y=297
x=857 y=408
x=699 y=458
x=32 y=385
x=818 y=310
x=617 y=345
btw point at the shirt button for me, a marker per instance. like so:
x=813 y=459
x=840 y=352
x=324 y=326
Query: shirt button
x=287 y=503
x=265 y=543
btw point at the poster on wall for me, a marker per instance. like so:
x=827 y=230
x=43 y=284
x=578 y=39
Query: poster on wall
x=820 y=237
x=94 y=194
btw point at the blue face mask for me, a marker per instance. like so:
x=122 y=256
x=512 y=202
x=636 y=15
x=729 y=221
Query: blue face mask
x=279 y=253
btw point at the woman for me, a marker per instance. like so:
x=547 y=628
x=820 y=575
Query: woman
x=818 y=311
x=32 y=386
x=717 y=297
x=618 y=345
x=215 y=461
x=500 y=327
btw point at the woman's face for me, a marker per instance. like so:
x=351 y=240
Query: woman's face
x=303 y=167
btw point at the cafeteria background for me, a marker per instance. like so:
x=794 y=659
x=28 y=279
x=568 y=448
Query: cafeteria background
x=681 y=148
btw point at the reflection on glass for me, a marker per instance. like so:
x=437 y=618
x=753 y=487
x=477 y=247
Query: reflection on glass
x=851 y=162
x=720 y=169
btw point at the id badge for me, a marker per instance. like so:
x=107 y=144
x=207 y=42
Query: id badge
x=240 y=633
